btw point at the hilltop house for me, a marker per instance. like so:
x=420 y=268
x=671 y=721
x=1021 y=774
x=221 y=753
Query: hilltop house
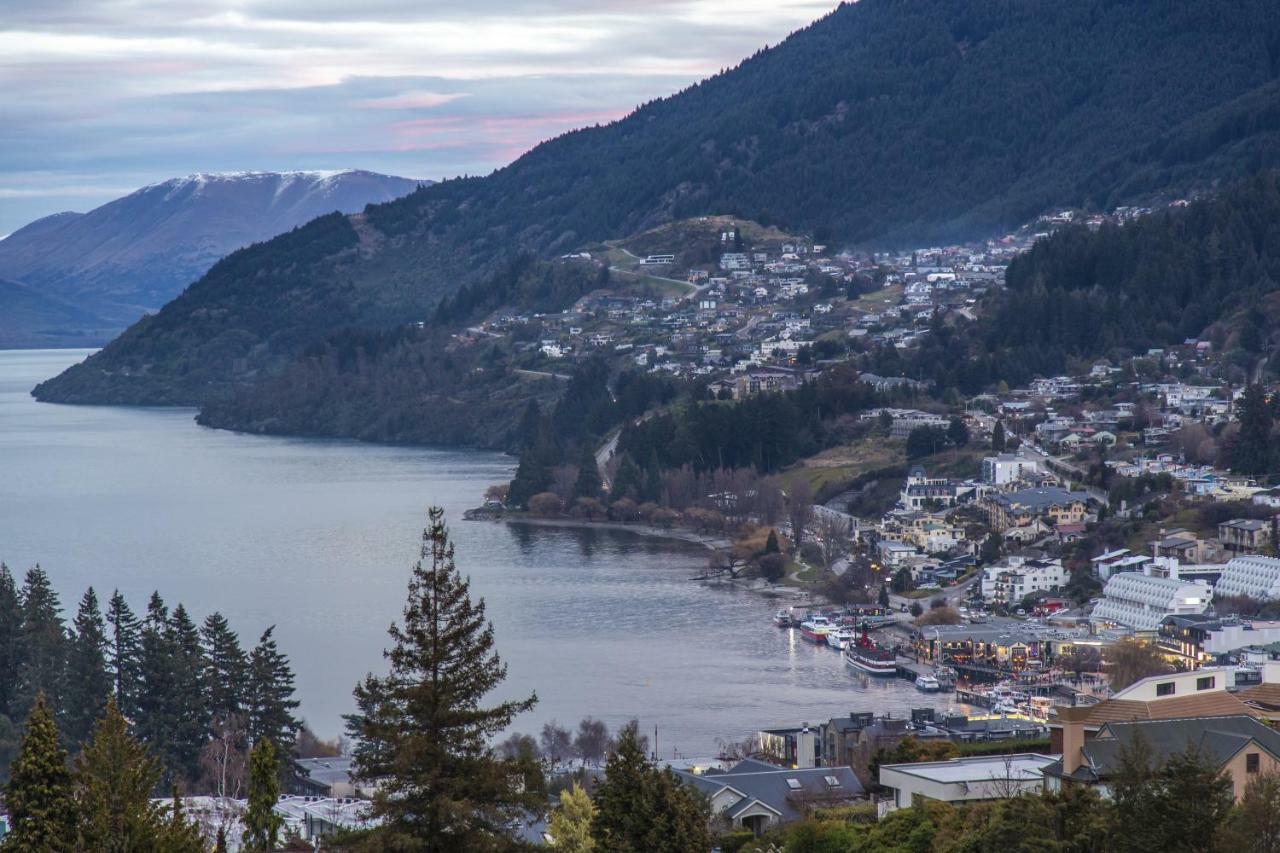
x=757 y=796
x=1051 y=505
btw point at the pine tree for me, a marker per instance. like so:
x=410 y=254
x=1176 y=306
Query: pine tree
x=626 y=482
x=10 y=643
x=642 y=808
x=1254 y=453
x=88 y=683
x=261 y=823
x=423 y=729
x=588 y=483
x=220 y=843
x=39 y=799
x=186 y=698
x=43 y=643
x=123 y=652
x=226 y=669
x=179 y=835
x=155 y=722
x=114 y=782
x=570 y=825
x=997 y=437
x=653 y=480
x=270 y=696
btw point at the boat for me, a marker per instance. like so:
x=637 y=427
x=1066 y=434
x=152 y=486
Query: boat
x=1004 y=707
x=928 y=683
x=782 y=618
x=815 y=629
x=841 y=637
x=865 y=656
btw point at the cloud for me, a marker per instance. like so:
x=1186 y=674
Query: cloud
x=103 y=94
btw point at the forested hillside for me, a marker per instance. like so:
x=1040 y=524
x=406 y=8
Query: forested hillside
x=1210 y=269
x=884 y=121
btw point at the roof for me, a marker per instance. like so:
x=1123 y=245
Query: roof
x=1218 y=738
x=1265 y=696
x=1041 y=498
x=1025 y=767
x=1212 y=703
x=326 y=771
x=778 y=789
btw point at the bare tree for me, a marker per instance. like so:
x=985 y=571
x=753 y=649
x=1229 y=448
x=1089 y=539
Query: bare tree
x=592 y=741
x=834 y=540
x=556 y=742
x=800 y=509
x=726 y=561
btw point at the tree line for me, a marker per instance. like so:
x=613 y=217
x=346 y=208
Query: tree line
x=194 y=696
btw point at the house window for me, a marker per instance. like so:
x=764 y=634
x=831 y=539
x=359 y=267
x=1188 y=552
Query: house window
x=1251 y=762
x=1206 y=683
x=1165 y=689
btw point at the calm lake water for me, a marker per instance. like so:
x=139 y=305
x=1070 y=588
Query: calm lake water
x=317 y=538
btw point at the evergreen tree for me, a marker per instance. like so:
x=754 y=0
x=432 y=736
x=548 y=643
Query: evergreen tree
x=626 y=482
x=226 y=669
x=530 y=421
x=39 y=799
x=570 y=825
x=997 y=437
x=179 y=835
x=588 y=483
x=957 y=432
x=115 y=779
x=123 y=652
x=186 y=697
x=88 y=683
x=1254 y=453
x=640 y=808
x=652 y=480
x=423 y=729
x=1195 y=799
x=43 y=643
x=220 y=842
x=771 y=543
x=270 y=696
x=261 y=823
x=155 y=722
x=10 y=643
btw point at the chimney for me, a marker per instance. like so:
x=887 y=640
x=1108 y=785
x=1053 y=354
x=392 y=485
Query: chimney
x=1071 y=722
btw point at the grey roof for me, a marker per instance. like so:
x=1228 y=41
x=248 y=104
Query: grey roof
x=769 y=785
x=1218 y=738
x=1040 y=498
x=326 y=771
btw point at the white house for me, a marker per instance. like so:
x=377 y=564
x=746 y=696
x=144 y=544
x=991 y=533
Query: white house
x=987 y=777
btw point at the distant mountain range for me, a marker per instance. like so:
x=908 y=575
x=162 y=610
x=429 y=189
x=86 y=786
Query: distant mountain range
x=136 y=253
x=883 y=123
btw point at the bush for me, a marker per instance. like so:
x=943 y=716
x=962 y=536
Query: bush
x=624 y=509
x=545 y=504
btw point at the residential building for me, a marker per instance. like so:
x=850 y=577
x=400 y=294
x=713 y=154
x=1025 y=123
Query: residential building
x=1244 y=535
x=988 y=777
x=1017 y=577
x=1005 y=468
x=757 y=796
x=1254 y=576
x=1049 y=504
x=1197 y=640
x=791 y=747
x=1141 y=602
x=326 y=777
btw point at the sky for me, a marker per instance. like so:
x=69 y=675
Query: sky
x=100 y=97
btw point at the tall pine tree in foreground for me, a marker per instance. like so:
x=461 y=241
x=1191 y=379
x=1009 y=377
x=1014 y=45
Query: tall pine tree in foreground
x=38 y=797
x=423 y=730
x=42 y=644
x=10 y=645
x=270 y=696
x=123 y=648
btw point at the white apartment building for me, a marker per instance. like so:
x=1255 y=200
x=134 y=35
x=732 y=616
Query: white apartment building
x=1254 y=576
x=1006 y=468
x=1140 y=602
x=1017 y=577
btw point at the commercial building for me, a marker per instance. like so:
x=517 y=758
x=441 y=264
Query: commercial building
x=1254 y=576
x=1141 y=602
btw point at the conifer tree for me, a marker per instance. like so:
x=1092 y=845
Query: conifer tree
x=115 y=779
x=642 y=808
x=124 y=649
x=186 y=697
x=220 y=842
x=423 y=729
x=43 y=643
x=179 y=835
x=10 y=643
x=270 y=696
x=39 y=799
x=155 y=722
x=226 y=669
x=1254 y=453
x=997 y=437
x=588 y=483
x=261 y=823
x=626 y=483
x=570 y=825
x=88 y=684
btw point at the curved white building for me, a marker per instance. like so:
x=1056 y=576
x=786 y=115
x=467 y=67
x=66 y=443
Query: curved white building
x=1254 y=576
x=1140 y=602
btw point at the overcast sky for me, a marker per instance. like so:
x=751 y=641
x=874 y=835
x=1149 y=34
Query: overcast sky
x=100 y=97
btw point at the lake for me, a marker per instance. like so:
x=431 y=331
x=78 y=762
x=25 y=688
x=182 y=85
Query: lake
x=317 y=538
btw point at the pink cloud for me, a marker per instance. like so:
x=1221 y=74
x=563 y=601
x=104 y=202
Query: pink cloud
x=411 y=101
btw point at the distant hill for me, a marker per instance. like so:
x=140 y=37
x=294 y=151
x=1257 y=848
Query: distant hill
x=30 y=319
x=136 y=253
x=883 y=122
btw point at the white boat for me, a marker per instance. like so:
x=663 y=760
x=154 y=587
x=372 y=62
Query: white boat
x=928 y=683
x=1004 y=707
x=815 y=629
x=840 y=638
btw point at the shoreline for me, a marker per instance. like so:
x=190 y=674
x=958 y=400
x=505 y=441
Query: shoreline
x=710 y=542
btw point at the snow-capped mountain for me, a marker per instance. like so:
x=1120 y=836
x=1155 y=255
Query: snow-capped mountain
x=134 y=254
